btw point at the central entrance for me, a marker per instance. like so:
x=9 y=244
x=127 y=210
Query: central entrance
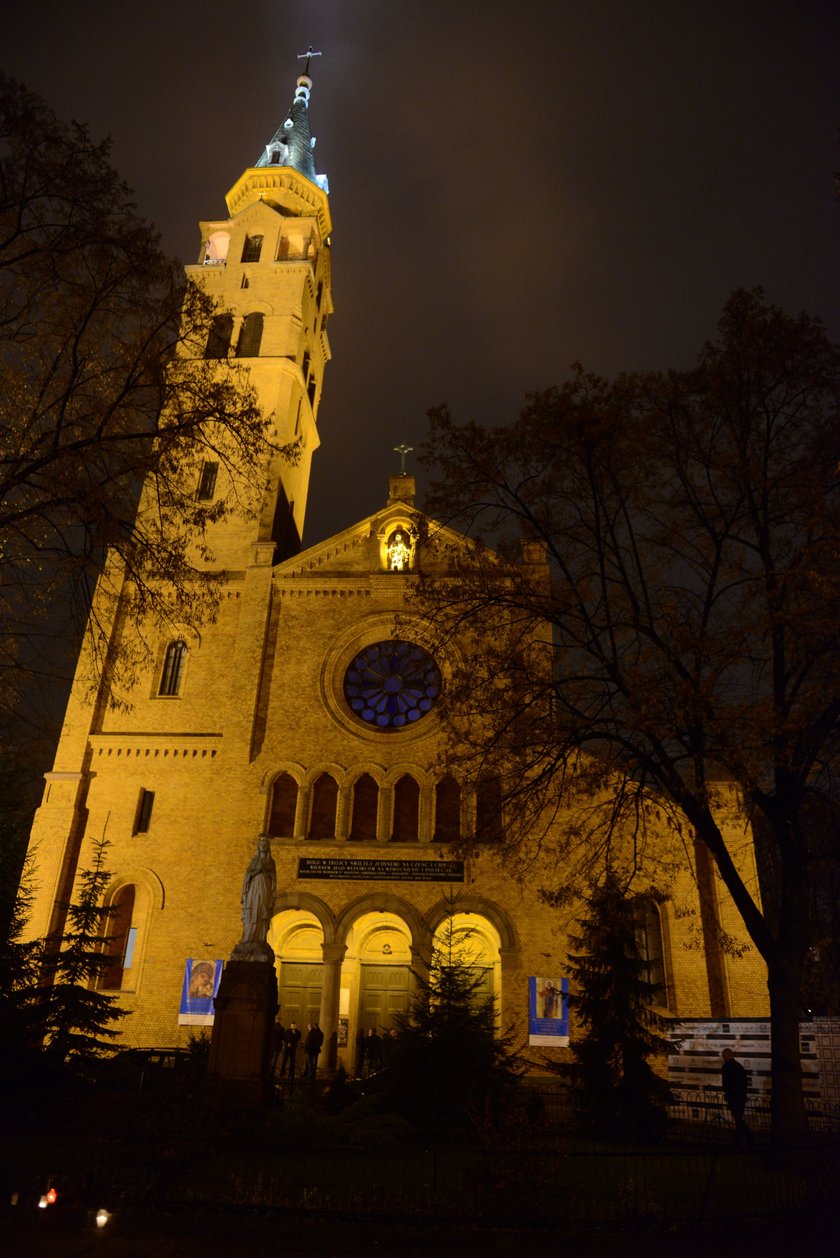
x=379 y=951
x=385 y=991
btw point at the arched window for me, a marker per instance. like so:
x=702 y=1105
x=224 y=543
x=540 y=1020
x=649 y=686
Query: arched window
x=406 y=810
x=488 y=810
x=173 y=668
x=284 y=794
x=120 y=938
x=649 y=940
x=207 y=481
x=365 y=809
x=324 y=800
x=252 y=248
x=250 y=336
x=218 y=340
x=447 y=811
x=216 y=249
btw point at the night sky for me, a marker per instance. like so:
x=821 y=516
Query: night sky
x=514 y=186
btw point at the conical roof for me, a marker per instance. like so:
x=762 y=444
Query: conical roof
x=292 y=143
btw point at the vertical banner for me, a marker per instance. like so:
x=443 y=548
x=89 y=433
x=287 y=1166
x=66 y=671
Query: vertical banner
x=548 y=1012
x=201 y=984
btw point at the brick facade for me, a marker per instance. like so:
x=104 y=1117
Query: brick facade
x=261 y=695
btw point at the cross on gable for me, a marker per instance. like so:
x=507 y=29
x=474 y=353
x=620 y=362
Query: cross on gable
x=402 y=450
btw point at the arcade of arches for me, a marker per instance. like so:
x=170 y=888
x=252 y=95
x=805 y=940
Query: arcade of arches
x=357 y=972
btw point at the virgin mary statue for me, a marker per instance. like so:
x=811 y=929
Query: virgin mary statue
x=258 y=888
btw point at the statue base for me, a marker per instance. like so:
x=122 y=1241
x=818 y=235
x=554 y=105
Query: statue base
x=240 y=1046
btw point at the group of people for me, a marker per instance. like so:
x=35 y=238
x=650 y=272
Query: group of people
x=284 y=1047
x=373 y=1047
x=373 y=1050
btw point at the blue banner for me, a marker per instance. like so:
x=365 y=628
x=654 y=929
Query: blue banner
x=548 y=1011
x=201 y=984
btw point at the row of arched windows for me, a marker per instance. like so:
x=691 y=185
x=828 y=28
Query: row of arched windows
x=368 y=813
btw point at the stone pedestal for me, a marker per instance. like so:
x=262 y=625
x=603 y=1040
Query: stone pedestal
x=240 y=1047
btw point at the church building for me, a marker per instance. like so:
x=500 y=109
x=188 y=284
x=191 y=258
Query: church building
x=308 y=712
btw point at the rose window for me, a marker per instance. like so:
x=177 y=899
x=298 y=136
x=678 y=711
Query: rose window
x=391 y=685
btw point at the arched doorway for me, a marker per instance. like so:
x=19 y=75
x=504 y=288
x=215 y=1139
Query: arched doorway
x=471 y=940
x=377 y=972
x=297 y=937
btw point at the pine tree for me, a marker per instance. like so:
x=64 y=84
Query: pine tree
x=450 y=1071
x=621 y=1093
x=77 y=1019
x=19 y=969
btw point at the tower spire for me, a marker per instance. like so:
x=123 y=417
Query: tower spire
x=292 y=144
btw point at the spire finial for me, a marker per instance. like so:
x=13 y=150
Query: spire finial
x=309 y=54
x=402 y=450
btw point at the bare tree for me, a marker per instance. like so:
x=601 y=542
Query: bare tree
x=673 y=633
x=103 y=386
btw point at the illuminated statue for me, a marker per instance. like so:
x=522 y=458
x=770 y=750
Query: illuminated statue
x=258 y=888
x=399 y=552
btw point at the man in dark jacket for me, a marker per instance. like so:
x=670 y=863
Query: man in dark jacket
x=733 y=1077
x=278 y=1039
x=290 y=1043
x=312 y=1047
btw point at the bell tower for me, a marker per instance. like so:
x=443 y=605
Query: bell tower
x=268 y=267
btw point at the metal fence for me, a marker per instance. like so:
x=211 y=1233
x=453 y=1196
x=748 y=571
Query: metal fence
x=695 y=1115
x=511 y=1186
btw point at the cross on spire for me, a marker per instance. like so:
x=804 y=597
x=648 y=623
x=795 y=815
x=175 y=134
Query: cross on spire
x=402 y=450
x=309 y=54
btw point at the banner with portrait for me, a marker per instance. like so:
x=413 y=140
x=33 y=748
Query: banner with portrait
x=201 y=985
x=548 y=1012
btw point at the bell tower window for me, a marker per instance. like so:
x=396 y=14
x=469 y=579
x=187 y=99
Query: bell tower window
x=218 y=340
x=251 y=336
x=252 y=249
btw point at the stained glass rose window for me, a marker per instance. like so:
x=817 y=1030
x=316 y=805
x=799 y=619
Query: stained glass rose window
x=391 y=685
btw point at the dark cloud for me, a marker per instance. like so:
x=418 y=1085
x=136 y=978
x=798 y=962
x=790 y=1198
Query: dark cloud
x=513 y=187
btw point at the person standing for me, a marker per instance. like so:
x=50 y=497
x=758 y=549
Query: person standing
x=733 y=1078
x=278 y=1037
x=312 y=1047
x=290 y=1043
x=373 y=1051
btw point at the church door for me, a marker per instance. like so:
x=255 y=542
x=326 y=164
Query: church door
x=385 y=991
x=300 y=992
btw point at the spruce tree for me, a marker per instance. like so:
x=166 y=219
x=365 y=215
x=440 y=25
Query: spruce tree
x=621 y=1093
x=78 y=1020
x=20 y=1033
x=451 y=1072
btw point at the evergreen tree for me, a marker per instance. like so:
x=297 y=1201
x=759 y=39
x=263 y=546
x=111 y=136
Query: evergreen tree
x=77 y=1019
x=450 y=1072
x=622 y=1094
x=19 y=969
